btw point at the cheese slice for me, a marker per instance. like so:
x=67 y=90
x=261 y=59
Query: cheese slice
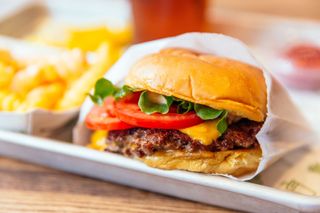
x=98 y=140
x=205 y=132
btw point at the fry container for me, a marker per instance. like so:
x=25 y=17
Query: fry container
x=41 y=122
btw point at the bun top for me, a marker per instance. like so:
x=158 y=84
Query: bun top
x=213 y=81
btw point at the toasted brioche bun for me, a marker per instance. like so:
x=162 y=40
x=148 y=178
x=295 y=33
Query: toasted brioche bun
x=217 y=82
x=232 y=162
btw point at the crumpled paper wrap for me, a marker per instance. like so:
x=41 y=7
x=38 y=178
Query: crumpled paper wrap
x=284 y=129
x=298 y=172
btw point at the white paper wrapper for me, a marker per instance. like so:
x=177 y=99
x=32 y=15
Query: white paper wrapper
x=298 y=172
x=37 y=122
x=284 y=130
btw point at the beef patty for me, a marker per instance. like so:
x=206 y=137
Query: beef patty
x=140 y=142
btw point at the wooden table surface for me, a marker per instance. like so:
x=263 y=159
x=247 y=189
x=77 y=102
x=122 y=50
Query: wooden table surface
x=30 y=188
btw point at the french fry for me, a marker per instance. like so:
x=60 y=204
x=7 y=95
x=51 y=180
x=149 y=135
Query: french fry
x=62 y=81
x=10 y=102
x=70 y=64
x=77 y=92
x=32 y=77
x=6 y=75
x=44 y=97
x=7 y=59
x=48 y=74
x=3 y=94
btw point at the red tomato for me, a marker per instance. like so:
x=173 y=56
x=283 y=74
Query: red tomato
x=109 y=106
x=130 y=113
x=103 y=118
x=133 y=97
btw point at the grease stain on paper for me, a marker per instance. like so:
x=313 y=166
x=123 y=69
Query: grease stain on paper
x=298 y=187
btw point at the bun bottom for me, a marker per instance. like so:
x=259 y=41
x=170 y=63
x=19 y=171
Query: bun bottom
x=231 y=162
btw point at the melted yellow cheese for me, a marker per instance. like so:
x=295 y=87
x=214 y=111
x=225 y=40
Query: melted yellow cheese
x=205 y=132
x=98 y=140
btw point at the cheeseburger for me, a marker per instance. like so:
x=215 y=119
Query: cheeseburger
x=180 y=109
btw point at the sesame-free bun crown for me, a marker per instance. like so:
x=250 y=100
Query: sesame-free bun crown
x=214 y=81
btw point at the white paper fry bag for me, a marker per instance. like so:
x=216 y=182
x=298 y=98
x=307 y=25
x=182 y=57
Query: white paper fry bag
x=284 y=129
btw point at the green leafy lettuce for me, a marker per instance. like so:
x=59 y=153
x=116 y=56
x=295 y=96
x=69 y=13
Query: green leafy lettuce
x=182 y=105
x=122 y=92
x=222 y=124
x=104 y=88
x=207 y=113
x=151 y=103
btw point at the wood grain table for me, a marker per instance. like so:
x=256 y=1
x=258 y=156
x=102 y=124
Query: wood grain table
x=30 y=188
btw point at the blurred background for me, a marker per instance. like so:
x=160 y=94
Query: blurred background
x=290 y=8
x=283 y=35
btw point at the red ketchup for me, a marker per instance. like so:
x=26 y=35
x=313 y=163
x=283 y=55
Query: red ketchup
x=302 y=68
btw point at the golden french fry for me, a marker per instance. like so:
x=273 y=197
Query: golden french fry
x=7 y=59
x=32 y=77
x=70 y=64
x=23 y=107
x=3 y=94
x=48 y=74
x=25 y=80
x=44 y=97
x=5 y=56
x=6 y=75
x=77 y=92
x=60 y=82
x=10 y=102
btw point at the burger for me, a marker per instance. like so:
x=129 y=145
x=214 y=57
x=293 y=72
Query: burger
x=184 y=110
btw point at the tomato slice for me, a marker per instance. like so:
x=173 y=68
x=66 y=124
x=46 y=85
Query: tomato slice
x=130 y=113
x=109 y=106
x=103 y=118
